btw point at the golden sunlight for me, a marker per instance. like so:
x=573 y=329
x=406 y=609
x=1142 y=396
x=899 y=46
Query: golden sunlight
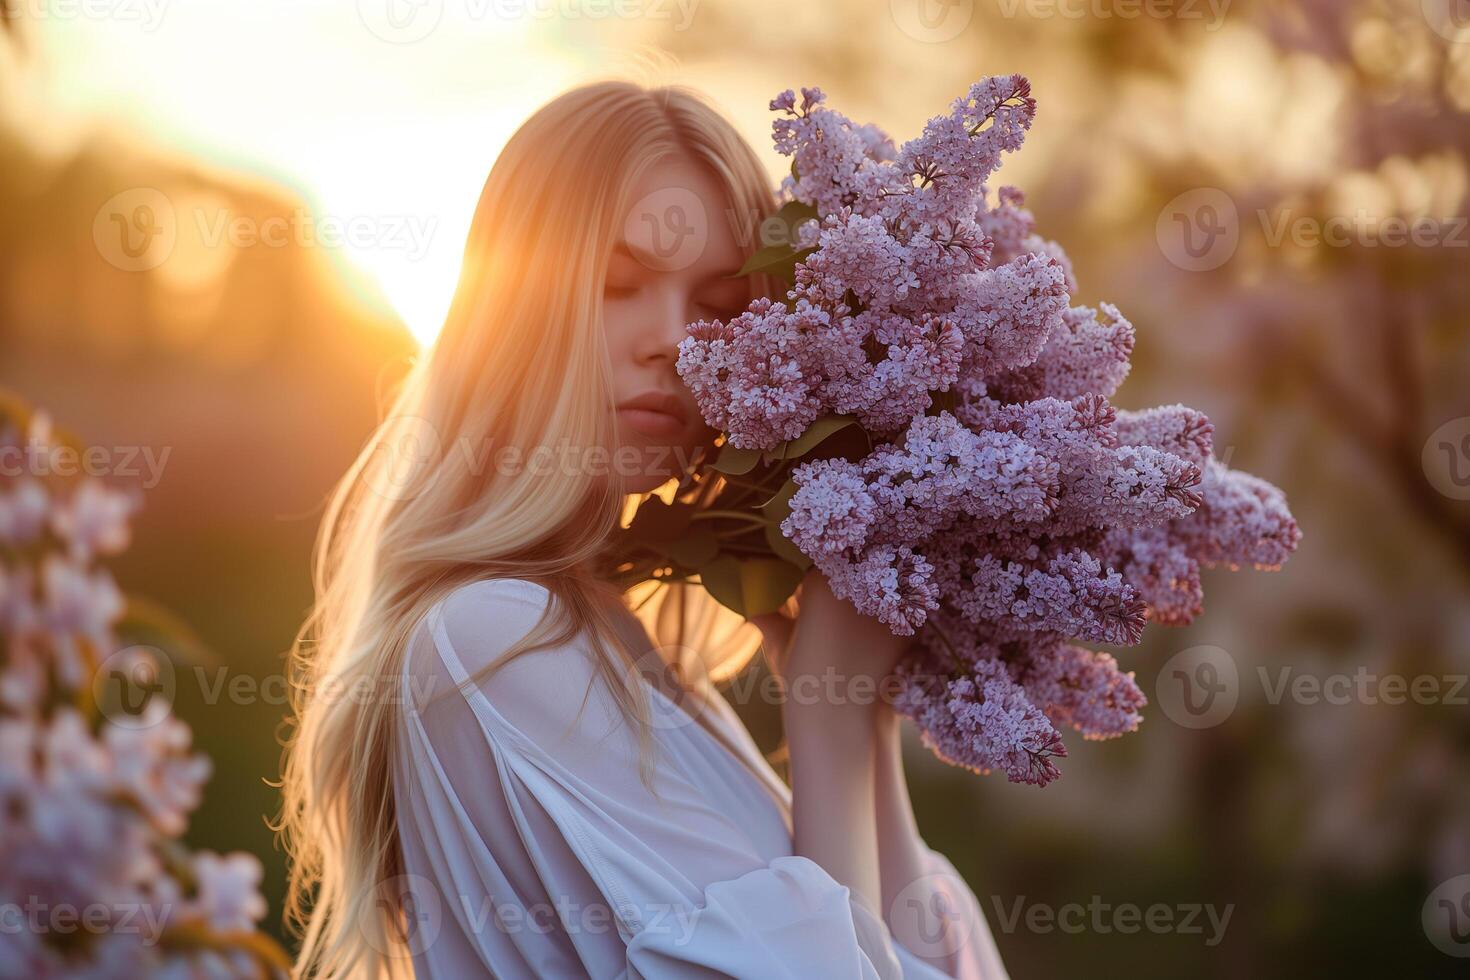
x=382 y=117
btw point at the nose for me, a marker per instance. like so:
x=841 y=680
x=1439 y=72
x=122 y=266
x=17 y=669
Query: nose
x=670 y=308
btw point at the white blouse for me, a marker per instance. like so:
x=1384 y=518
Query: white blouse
x=534 y=846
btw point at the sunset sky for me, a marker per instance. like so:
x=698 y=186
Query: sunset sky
x=383 y=116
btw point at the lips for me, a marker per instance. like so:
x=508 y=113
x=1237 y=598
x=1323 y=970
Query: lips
x=655 y=414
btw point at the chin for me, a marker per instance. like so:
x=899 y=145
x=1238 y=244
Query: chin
x=656 y=464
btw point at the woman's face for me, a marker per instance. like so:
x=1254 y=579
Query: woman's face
x=668 y=268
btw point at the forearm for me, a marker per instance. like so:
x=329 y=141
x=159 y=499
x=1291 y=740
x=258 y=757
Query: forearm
x=902 y=854
x=833 y=790
x=928 y=909
x=832 y=737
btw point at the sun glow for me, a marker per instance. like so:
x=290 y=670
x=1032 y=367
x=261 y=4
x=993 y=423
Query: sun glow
x=382 y=117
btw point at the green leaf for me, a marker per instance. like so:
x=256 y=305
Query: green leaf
x=734 y=461
x=767 y=259
x=668 y=530
x=776 y=509
x=786 y=272
x=751 y=587
x=779 y=505
x=721 y=579
x=784 y=549
x=779 y=258
x=767 y=582
x=793 y=213
x=656 y=521
x=698 y=547
x=816 y=433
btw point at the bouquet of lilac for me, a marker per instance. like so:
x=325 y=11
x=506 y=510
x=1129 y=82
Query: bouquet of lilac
x=925 y=417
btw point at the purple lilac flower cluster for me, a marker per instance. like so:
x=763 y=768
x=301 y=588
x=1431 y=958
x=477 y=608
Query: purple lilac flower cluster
x=1006 y=507
x=93 y=882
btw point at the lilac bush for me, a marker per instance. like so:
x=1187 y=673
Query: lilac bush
x=926 y=417
x=93 y=881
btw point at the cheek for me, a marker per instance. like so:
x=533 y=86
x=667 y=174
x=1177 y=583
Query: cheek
x=616 y=321
x=619 y=331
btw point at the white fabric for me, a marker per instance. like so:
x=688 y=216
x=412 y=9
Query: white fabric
x=534 y=847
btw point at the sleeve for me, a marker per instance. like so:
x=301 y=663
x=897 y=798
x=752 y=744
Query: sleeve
x=525 y=793
x=938 y=918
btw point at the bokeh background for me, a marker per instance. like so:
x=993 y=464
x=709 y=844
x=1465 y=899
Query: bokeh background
x=1236 y=176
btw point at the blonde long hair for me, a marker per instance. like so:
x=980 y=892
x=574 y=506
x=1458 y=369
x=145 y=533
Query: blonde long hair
x=520 y=362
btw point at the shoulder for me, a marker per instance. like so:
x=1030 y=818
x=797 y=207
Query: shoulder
x=495 y=594
x=477 y=613
x=477 y=633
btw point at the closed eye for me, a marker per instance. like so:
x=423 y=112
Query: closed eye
x=624 y=276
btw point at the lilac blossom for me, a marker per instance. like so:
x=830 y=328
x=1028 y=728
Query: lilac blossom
x=980 y=720
x=91 y=805
x=1003 y=506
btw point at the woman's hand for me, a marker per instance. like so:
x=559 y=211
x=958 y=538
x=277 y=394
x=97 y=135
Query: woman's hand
x=838 y=642
x=832 y=636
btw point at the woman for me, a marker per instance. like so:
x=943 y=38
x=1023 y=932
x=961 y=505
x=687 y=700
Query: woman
x=497 y=769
